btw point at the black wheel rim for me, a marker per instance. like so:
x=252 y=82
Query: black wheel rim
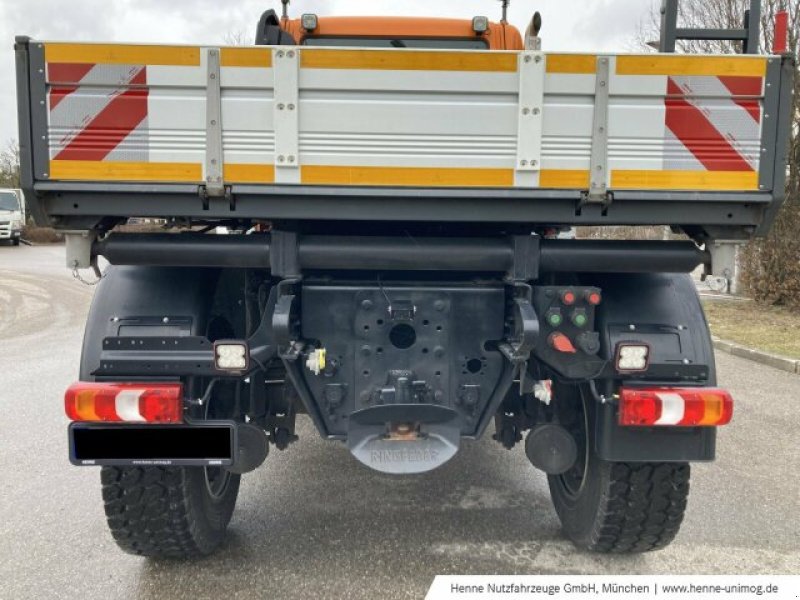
x=217 y=480
x=573 y=481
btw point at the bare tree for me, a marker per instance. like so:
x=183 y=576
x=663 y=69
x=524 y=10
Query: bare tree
x=9 y=165
x=236 y=37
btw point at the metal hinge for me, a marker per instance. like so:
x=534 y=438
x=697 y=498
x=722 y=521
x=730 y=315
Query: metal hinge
x=206 y=195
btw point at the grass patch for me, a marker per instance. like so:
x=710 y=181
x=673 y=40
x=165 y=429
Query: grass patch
x=773 y=329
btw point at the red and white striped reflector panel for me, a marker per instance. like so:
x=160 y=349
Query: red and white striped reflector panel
x=674 y=407
x=125 y=402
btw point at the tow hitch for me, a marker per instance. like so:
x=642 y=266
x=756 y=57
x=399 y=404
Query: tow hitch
x=404 y=439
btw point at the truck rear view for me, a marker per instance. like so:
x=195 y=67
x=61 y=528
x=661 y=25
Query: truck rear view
x=393 y=193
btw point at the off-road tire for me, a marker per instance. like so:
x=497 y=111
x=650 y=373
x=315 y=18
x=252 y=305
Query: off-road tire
x=614 y=507
x=624 y=507
x=166 y=511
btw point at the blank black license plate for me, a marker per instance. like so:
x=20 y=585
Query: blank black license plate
x=201 y=444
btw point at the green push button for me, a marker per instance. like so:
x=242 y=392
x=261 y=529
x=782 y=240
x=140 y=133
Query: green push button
x=554 y=318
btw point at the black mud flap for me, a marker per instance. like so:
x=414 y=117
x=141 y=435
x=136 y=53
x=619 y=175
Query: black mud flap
x=404 y=439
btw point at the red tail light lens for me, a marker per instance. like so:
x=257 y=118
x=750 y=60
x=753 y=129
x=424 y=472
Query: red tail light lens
x=125 y=402
x=674 y=407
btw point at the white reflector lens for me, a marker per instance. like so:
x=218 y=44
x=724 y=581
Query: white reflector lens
x=632 y=357
x=309 y=22
x=230 y=356
x=480 y=24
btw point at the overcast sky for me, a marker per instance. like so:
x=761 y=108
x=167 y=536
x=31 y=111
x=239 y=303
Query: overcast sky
x=569 y=25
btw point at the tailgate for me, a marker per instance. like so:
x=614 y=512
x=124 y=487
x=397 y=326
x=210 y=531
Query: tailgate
x=296 y=116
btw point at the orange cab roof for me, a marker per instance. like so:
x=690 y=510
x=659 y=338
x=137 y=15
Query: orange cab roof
x=499 y=36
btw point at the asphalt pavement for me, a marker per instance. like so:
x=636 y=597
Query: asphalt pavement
x=313 y=523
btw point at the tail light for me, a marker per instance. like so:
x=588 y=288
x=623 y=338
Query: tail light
x=125 y=402
x=674 y=407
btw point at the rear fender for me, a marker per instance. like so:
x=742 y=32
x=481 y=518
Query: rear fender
x=147 y=301
x=664 y=311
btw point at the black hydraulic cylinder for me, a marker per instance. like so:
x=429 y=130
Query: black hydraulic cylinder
x=400 y=253
x=619 y=256
x=185 y=250
x=405 y=253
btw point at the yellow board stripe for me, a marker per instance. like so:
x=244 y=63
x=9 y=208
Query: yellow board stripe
x=718 y=66
x=685 y=180
x=408 y=60
x=572 y=64
x=125 y=171
x=406 y=176
x=242 y=173
x=564 y=178
x=122 y=54
x=246 y=57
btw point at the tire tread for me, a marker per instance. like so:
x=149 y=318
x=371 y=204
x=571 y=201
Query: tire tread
x=641 y=508
x=148 y=511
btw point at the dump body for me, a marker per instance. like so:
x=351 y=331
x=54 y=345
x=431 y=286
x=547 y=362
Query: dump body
x=514 y=136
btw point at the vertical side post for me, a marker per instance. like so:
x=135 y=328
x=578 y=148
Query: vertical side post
x=215 y=186
x=532 y=68
x=286 y=65
x=598 y=163
x=669 y=25
x=752 y=25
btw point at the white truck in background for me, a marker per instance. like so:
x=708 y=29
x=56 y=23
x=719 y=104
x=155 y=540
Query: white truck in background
x=12 y=215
